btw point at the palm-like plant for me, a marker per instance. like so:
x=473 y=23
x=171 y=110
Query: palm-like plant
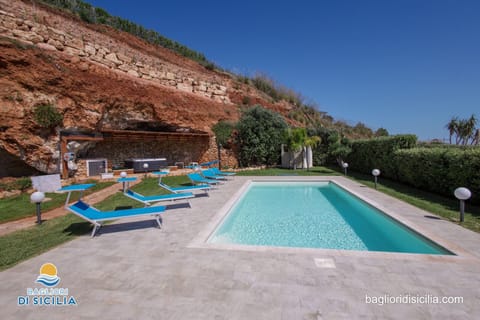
x=464 y=130
x=476 y=137
x=452 y=127
x=295 y=140
x=470 y=131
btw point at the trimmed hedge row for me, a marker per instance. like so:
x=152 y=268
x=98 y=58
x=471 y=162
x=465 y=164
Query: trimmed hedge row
x=440 y=170
x=368 y=154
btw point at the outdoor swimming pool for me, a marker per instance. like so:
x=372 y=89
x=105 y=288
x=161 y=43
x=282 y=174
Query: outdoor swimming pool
x=315 y=215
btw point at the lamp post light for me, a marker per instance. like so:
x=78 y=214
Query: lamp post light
x=375 y=173
x=345 y=166
x=37 y=198
x=462 y=194
x=145 y=168
x=123 y=174
x=219 y=156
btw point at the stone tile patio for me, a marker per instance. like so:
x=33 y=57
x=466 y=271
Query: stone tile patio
x=135 y=271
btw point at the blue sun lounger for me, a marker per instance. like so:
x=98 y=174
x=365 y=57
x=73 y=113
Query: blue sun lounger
x=75 y=187
x=196 y=178
x=96 y=217
x=183 y=189
x=209 y=163
x=198 y=187
x=222 y=173
x=209 y=174
x=148 y=200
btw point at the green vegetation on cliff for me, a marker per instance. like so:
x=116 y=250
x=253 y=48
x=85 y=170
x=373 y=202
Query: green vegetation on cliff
x=91 y=14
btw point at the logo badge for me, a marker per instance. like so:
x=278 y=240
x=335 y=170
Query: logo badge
x=49 y=294
x=48 y=275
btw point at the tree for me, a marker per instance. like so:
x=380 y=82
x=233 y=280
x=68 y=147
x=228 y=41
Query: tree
x=223 y=131
x=362 y=130
x=381 y=132
x=470 y=130
x=260 y=134
x=338 y=147
x=295 y=141
x=476 y=137
x=464 y=130
x=452 y=127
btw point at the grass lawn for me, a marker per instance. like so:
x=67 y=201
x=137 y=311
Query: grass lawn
x=19 y=207
x=147 y=187
x=27 y=243
x=448 y=208
x=24 y=244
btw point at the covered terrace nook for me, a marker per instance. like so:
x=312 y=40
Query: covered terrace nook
x=118 y=147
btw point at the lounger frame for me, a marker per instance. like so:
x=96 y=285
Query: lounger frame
x=97 y=223
x=148 y=200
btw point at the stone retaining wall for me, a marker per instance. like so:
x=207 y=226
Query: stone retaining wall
x=36 y=27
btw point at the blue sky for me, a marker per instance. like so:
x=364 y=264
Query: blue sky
x=405 y=65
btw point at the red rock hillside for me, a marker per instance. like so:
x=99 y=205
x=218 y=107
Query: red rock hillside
x=101 y=79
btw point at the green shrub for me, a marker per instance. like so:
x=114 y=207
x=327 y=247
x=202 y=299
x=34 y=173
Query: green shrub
x=440 y=169
x=246 y=100
x=260 y=135
x=267 y=85
x=208 y=65
x=223 y=131
x=47 y=116
x=368 y=154
x=23 y=183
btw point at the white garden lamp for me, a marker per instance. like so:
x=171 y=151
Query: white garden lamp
x=375 y=173
x=123 y=174
x=462 y=194
x=37 y=198
x=145 y=168
x=345 y=166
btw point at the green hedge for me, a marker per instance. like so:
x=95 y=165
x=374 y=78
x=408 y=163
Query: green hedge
x=440 y=169
x=368 y=154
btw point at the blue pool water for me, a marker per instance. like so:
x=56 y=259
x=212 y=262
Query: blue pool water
x=315 y=215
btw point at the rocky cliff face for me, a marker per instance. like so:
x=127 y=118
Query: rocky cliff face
x=99 y=78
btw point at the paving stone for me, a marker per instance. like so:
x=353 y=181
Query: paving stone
x=132 y=270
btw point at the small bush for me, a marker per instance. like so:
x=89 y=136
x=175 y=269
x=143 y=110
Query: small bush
x=246 y=100
x=267 y=85
x=23 y=183
x=47 y=116
x=208 y=65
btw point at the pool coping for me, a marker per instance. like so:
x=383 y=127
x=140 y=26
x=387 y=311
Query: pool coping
x=459 y=253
